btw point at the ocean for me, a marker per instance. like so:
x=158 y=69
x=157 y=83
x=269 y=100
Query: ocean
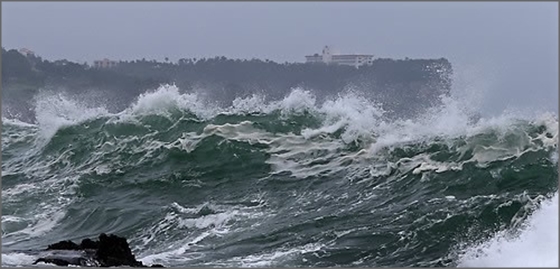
x=294 y=182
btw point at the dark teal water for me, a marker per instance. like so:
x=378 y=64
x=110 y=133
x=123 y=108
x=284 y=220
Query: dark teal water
x=292 y=183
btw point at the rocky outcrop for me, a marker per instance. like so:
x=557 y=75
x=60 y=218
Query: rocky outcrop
x=108 y=251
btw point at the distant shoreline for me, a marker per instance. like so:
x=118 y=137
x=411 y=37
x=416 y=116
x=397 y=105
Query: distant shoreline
x=403 y=86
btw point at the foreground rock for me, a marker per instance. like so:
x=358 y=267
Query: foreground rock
x=108 y=251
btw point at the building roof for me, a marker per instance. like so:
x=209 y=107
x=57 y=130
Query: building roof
x=356 y=55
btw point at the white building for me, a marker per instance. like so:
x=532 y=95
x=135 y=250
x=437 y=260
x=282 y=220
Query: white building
x=327 y=57
x=105 y=63
x=26 y=52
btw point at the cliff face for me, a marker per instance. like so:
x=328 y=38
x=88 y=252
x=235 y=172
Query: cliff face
x=404 y=87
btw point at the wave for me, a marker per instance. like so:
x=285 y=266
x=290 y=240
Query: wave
x=530 y=247
x=294 y=182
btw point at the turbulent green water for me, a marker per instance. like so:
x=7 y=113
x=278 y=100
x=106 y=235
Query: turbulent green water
x=291 y=183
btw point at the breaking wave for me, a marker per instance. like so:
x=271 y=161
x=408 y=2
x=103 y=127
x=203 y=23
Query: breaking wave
x=294 y=182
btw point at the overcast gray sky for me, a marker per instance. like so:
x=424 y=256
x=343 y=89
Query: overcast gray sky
x=507 y=50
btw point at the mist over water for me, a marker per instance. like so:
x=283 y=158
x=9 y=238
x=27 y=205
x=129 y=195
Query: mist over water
x=304 y=180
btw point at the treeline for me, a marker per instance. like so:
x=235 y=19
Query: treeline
x=400 y=84
x=237 y=77
x=34 y=72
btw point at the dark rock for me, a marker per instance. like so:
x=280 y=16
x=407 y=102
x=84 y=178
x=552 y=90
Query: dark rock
x=89 y=244
x=114 y=251
x=108 y=251
x=68 y=245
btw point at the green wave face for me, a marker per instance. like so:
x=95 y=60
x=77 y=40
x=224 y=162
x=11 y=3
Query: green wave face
x=304 y=186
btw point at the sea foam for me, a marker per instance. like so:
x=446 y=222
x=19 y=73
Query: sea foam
x=536 y=246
